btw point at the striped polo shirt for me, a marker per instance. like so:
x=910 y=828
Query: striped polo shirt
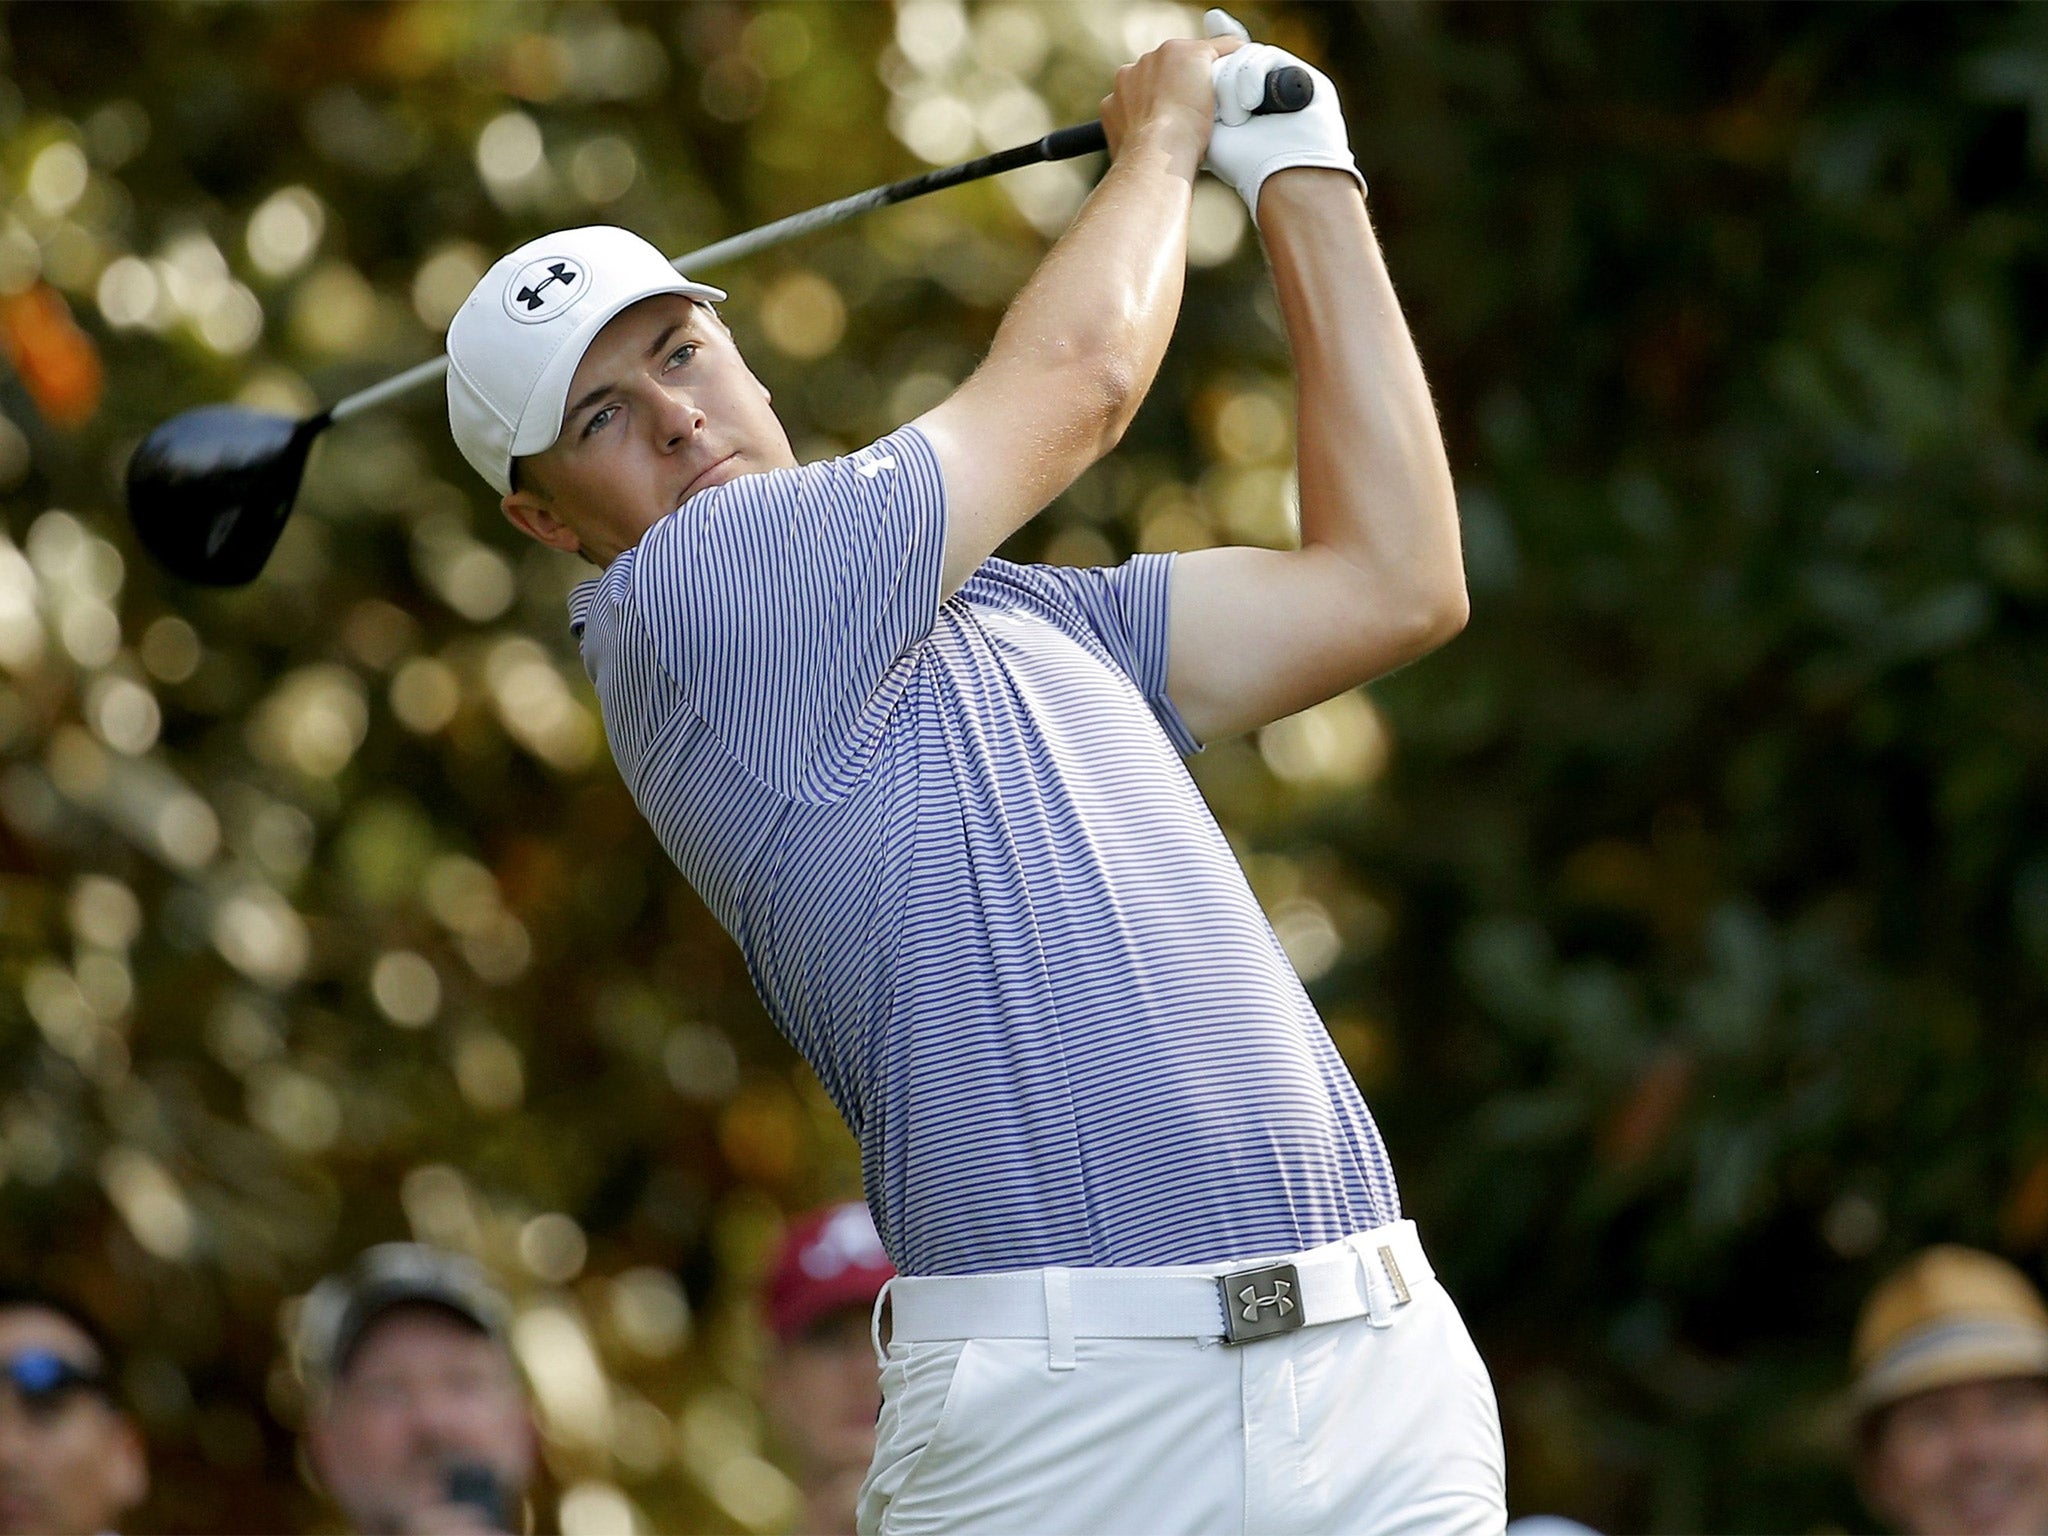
x=972 y=879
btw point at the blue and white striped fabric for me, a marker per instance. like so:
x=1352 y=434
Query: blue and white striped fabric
x=973 y=882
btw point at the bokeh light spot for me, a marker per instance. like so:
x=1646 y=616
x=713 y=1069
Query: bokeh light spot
x=603 y=169
x=701 y=1063
x=553 y=1248
x=1216 y=224
x=285 y=231
x=406 y=988
x=258 y=933
x=931 y=33
x=489 y=1071
x=509 y=150
x=57 y=178
x=150 y=1202
x=575 y=1399
x=297 y=1110
x=938 y=128
x=649 y=1312
x=170 y=649
x=314 y=720
x=593 y=1508
x=104 y=912
x=334 y=311
x=1340 y=743
x=1250 y=427
x=444 y=280
x=425 y=694
x=803 y=315
x=124 y=714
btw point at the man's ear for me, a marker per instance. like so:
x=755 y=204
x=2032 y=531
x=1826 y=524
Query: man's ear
x=532 y=517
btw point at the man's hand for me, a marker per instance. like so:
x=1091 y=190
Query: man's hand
x=1244 y=150
x=1169 y=91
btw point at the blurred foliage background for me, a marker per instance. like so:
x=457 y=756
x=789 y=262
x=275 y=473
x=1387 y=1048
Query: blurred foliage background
x=1686 y=922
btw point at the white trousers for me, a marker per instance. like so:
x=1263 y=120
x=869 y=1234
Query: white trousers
x=1051 y=1401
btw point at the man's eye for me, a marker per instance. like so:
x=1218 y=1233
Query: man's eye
x=682 y=354
x=599 y=420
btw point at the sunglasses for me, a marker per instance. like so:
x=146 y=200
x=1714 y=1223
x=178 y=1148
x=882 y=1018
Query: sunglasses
x=44 y=1379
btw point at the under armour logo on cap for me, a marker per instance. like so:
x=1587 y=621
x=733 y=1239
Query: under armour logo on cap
x=542 y=289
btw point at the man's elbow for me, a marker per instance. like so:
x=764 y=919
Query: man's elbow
x=1450 y=613
x=1396 y=631
x=1111 y=392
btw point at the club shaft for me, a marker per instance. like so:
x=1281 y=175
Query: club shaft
x=1083 y=139
x=432 y=370
x=1062 y=144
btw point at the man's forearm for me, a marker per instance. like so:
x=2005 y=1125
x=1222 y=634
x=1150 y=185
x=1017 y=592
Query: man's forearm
x=1081 y=344
x=1103 y=302
x=1374 y=482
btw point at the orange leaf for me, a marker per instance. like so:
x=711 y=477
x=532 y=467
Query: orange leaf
x=57 y=362
x=1641 y=1122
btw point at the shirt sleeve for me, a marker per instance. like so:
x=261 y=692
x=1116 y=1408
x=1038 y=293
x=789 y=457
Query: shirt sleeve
x=1126 y=608
x=781 y=602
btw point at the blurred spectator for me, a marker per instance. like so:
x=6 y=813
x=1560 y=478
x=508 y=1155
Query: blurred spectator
x=418 y=1419
x=824 y=1386
x=1951 y=1397
x=71 y=1462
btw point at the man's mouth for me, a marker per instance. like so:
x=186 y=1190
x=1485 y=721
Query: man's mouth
x=715 y=473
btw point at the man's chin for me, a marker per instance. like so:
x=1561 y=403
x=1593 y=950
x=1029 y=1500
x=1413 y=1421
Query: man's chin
x=731 y=467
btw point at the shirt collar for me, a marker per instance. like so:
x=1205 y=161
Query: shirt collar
x=581 y=596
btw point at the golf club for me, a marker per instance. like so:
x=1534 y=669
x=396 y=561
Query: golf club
x=209 y=490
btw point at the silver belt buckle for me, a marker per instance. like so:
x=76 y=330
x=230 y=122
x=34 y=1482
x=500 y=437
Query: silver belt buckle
x=1258 y=1303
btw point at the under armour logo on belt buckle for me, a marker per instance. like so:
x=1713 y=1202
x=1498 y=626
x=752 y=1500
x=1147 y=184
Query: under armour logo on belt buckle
x=558 y=272
x=1258 y=1303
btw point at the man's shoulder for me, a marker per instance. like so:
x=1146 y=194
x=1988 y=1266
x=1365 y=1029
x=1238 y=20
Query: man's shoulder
x=879 y=468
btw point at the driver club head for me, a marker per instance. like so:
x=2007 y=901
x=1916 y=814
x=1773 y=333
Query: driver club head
x=209 y=491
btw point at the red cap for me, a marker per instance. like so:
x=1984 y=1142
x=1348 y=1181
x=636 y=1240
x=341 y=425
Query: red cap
x=830 y=1259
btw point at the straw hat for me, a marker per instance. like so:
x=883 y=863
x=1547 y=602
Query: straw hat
x=1948 y=1315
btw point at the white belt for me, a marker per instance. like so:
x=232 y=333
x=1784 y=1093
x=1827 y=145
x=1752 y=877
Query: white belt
x=1369 y=1274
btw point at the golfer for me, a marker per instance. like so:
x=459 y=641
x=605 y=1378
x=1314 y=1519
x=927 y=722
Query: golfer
x=1155 y=1272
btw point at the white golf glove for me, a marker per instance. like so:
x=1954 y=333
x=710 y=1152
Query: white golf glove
x=1244 y=150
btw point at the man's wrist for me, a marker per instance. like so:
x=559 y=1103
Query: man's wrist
x=1181 y=140
x=1307 y=191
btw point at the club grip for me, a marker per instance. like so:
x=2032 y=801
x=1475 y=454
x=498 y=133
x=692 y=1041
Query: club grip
x=1288 y=89
x=1067 y=143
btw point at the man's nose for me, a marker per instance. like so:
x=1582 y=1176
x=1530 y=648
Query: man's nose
x=676 y=417
x=442 y=1419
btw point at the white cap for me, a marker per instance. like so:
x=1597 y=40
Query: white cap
x=514 y=345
